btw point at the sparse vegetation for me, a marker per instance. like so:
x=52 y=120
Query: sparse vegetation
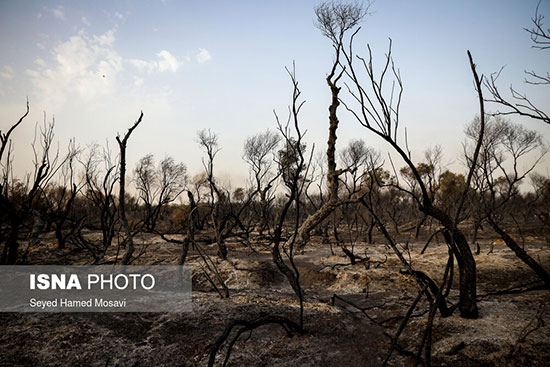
x=323 y=259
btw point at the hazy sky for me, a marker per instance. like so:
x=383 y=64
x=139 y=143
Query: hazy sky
x=220 y=65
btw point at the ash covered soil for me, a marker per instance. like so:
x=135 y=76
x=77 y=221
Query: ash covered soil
x=512 y=329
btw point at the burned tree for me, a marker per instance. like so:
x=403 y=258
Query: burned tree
x=60 y=199
x=497 y=177
x=358 y=160
x=129 y=241
x=19 y=199
x=100 y=177
x=158 y=186
x=218 y=198
x=378 y=111
x=9 y=208
x=293 y=167
x=258 y=154
x=540 y=203
x=372 y=199
x=430 y=172
x=334 y=28
x=145 y=179
x=519 y=103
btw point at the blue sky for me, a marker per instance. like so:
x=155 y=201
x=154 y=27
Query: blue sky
x=220 y=65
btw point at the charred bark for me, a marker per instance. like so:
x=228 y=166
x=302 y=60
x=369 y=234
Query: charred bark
x=521 y=253
x=122 y=193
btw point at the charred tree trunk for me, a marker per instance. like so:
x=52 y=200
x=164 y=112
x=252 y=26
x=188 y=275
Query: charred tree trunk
x=349 y=254
x=9 y=255
x=59 y=236
x=465 y=260
x=419 y=225
x=190 y=229
x=345 y=250
x=302 y=235
x=263 y=222
x=524 y=256
x=222 y=248
x=372 y=224
x=60 y=222
x=122 y=202
x=148 y=215
x=422 y=278
x=333 y=202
